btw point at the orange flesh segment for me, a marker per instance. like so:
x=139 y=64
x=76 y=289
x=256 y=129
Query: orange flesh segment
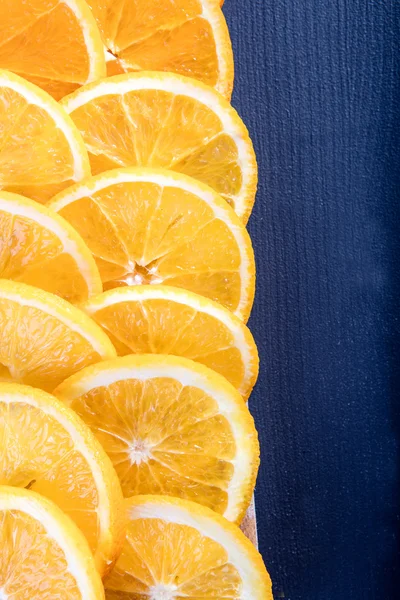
x=35 y=42
x=26 y=551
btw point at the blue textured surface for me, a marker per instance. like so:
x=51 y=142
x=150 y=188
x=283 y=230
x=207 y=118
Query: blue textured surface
x=318 y=85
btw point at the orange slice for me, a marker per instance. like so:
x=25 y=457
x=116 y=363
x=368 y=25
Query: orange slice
x=55 y=44
x=42 y=552
x=178 y=549
x=172 y=427
x=61 y=459
x=37 y=246
x=44 y=339
x=41 y=151
x=170 y=121
x=189 y=37
x=157 y=319
x=154 y=226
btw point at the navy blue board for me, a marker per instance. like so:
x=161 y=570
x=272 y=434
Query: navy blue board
x=317 y=83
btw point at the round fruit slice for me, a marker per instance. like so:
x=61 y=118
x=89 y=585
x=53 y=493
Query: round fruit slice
x=55 y=44
x=44 y=339
x=173 y=427
x=155 y=226
x=48 y=449
x=37 y=246
x=178 y=549
x=189 y=37
x=170 y=121
x=41 y=150
x=157 y=319
x=43 y=555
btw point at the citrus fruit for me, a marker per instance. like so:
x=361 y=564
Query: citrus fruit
x=157 y=319
x=43 y=555
x=166 y=120
x=172 y=427
x=155 y=226
x=37 y=246
x=48 y=449
x=55 y=44
x=189 y=37
x=176 y=549
x=41 y=150
x=43 y=338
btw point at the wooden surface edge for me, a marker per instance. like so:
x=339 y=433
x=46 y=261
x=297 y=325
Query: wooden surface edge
x=249 y=525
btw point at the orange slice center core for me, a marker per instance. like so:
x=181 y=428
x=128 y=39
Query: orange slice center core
x=139 y=451
x=136 y=275
x=162 y=592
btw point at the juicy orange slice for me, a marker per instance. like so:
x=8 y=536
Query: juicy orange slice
x=55 y=44
x=41 y=151
x=172 y=427
x=42 y=552
x=44 y=339
x=178 y=549
x=61 y=459
x=154 y=226
x=158 y=319
x=37 y=246
x=189 y=37
x=165 y=120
